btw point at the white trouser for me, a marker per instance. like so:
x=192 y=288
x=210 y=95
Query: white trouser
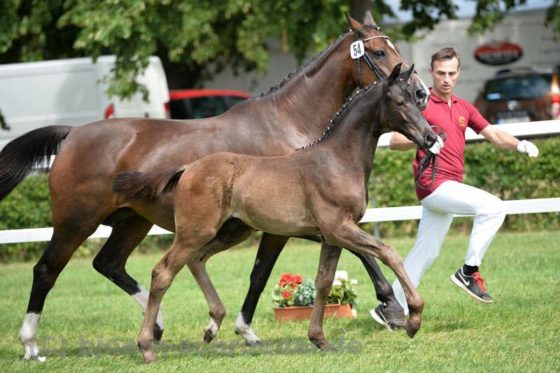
x=451 y=198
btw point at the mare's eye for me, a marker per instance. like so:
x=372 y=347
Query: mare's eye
x=379 y=53
x=400 y=103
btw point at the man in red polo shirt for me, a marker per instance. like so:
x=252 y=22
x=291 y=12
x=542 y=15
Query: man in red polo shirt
x=442 y=192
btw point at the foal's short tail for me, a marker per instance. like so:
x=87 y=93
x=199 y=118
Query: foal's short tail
x=147 y=186
x=20 y=155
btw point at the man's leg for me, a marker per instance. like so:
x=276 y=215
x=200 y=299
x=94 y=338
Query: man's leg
x=438 y=208
x=431 y=232
x=489 y=216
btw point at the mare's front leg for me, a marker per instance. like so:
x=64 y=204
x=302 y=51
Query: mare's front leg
x=270 y=248
x=323 y=283
x=350 y=236
x=392 y=310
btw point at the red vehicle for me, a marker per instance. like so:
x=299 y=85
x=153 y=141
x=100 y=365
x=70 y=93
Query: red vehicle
x=202 y=103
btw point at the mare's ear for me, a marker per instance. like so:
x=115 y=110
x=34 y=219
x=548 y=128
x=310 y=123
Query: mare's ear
x=354 y=25
x=407 y=75
x=368 y=19
x=395 y=74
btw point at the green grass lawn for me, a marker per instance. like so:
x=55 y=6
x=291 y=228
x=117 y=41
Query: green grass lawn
x=88 y=324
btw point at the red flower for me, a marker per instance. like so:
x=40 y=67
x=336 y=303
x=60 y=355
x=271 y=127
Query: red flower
x=298 y=279
x=286 y=294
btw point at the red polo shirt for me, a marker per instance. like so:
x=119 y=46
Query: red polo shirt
x=452 y=121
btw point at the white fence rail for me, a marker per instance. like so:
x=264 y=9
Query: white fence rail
x=527 y=206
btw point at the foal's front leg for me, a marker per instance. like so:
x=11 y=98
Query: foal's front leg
x=350 y=236
x=323 y=283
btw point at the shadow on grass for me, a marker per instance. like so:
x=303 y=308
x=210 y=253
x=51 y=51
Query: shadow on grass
x=103 y=347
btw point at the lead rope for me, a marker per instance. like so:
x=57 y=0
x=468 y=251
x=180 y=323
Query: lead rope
x=429 y=159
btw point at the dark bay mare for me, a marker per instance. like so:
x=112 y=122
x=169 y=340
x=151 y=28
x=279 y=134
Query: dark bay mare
x=320 y=189
x=289 y=116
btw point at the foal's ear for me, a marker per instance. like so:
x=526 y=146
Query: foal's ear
x=395 y=74
x=368 y=19
x=407 y=75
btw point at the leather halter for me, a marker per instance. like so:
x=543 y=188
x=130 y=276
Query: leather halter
x=368 y=59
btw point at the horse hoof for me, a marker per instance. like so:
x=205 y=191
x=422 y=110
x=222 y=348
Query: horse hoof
x=40 y=359
x=252 y=342
x=412 y=329
x=208 y=336
x=149 y=356
x=327 y=347
x=158 y=334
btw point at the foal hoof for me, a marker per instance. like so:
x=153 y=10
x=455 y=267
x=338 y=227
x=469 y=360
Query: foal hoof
x=158 y=334
x=211 y=331
x=149 y=357
x=208 y=335
x=327 y=347
x=147 y=353
x=412 y=328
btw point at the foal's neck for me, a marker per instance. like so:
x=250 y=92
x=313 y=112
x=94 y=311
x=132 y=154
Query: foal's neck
x=354 y=131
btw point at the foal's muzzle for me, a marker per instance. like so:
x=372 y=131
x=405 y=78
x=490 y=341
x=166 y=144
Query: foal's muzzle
x=430 y=139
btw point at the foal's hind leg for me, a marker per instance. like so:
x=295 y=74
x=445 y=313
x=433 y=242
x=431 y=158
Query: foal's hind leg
x=323 y=283
x=162 y=276
x=216 y=308
x=127 y=233
x=267 y=254
x=55 y=257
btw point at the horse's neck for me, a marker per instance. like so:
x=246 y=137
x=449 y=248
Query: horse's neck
x=311 y=98
x=355 y=137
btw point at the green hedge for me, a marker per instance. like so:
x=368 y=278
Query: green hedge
x=507 y=174
x=28 y=206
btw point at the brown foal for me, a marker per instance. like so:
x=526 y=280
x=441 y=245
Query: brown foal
x=319 y=189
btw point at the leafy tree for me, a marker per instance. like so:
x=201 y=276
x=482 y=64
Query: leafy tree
x=197 y=38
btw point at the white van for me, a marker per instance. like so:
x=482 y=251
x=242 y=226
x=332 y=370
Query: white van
x=70 y=92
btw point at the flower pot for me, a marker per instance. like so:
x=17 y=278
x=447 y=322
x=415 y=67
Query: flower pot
x=304 y=313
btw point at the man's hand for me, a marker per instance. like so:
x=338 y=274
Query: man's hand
x=528 y=147
x=438 y=145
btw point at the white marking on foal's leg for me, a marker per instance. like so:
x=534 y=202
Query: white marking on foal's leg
x=211 y=331
x=28 y=337
x=245 y=330
x=142 y=299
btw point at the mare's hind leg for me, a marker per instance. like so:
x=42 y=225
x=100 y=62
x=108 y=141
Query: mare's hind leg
x=270 y=248
x=392 y=310
x=323 y=283
x=55 y=257
x=128 y=231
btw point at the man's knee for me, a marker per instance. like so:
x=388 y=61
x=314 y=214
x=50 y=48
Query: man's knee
x=493 y=208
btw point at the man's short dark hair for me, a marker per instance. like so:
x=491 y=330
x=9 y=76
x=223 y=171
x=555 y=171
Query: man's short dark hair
x=446 y=53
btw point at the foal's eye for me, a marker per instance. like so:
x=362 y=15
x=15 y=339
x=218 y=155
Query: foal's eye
x=400 y=103
x=378 y=53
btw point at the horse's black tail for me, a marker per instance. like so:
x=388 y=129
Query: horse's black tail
x=147 y=186
x=20 y=155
